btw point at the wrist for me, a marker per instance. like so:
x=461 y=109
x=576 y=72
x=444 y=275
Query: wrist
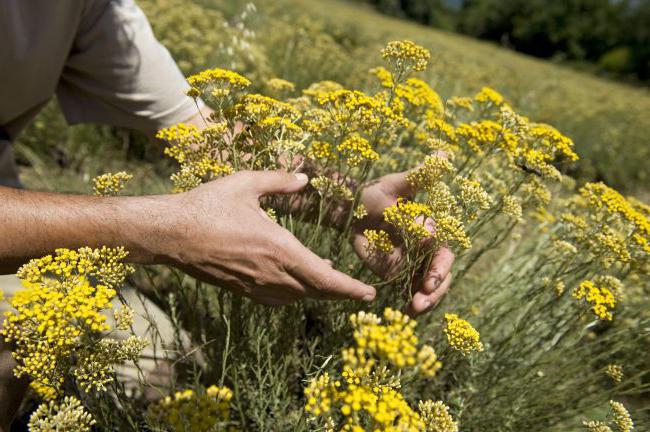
x=151 y=231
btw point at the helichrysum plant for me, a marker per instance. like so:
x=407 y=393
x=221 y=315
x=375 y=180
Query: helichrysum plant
x=548 y=306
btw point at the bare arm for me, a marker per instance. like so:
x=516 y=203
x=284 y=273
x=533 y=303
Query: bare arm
x=33 y=224
x=216 y=232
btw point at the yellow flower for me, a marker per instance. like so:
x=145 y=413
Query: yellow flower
x=378 y=241
x=384 y=76
x=615 y=372
x=405 y=54
x=188 y=411
x=110 y=184
x=511 y=206
x=356 y=149
x=394 y=341
x=68 y=415
x=280 y=86
x=450 y=230
x=436 y=417
x=428 y=361
x=359 y=213
x=59 y=307
x=489 y=96
x=434 y=169
x=621 y=417
x=461 y=102
x=408 y=217
x=461 y=335
x=601 y=299
x=221 y=78
x=422 y=98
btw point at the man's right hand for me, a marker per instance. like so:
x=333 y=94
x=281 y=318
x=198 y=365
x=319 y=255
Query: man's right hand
x=222 y=236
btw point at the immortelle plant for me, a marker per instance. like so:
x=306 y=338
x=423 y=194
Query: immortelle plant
x=553 y=278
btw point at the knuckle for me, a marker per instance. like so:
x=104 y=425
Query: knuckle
x=325 y=285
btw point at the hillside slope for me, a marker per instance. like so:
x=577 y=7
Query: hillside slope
x=609 y=121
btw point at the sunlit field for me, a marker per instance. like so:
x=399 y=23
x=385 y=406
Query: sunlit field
x=533 y=174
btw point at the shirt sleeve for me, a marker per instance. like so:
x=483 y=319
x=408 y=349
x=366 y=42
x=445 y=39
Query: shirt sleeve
x=117 y=73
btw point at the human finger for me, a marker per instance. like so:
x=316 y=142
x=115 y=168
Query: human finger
x=423 y=302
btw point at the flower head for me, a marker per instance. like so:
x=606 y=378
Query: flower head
x=461 y=335
x=65 y=416
x=405 y=54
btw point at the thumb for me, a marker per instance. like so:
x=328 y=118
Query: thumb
x=277 y=182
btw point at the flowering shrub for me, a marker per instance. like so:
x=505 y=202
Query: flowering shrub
x=548 y=275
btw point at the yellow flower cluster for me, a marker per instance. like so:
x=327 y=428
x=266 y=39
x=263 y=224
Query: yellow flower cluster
x=58 y=307
x=465 y=103
x=385 y=408
x=356 y=149
x=188 y=411
x=422 y=98
x=367 y=396
x=433 y=170
x=473 y=197
x=450 y=230
x=596 y=426
x=110 y=184
x=378 y=241
x=321 y=150
x=320 y=393
x=615 y=372
x=66 y=416
x=461 y=335
x=408 y=218
x=428 y=361
x=220 y=78
x=601 y=197
x=280 y=86
x=511 y=206
x=198 y=153
x=384 y=76
x=253 y=108
x=359 y=212
x=488 y=95
x=180 y=132
x=357 y=110
x=480 y=136
x=280 y=127
x=106 y=264
x=123 y=318
x=405 y=55
x=94 y=362
x=436 y=417
x=328 y=188
x=619 y=418
x=601 y=299
x=553 y=141
x=394 y=341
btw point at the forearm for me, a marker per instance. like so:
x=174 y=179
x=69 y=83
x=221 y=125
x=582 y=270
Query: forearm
x=33 y=224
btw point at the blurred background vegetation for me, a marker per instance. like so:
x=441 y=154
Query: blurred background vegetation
x=610 y=37
x=310 y=40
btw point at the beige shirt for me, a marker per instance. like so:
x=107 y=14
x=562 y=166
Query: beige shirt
x=99 y=57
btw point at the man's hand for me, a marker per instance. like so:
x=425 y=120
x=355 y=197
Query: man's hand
x=216 y=232
x=227 y=239
x=434 y=281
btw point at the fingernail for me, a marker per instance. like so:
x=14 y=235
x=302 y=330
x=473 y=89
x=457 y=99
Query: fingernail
x=302 y=177
x=426 y=305
x=369 y=297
